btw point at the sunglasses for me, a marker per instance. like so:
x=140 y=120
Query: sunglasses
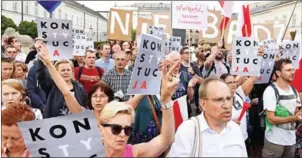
x=117 y=129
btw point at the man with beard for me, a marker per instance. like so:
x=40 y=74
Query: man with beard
x=282 y=106
x=215 y=64
x=89 y=74
x=105 y=62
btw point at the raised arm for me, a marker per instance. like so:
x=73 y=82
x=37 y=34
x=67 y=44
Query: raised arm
x=160 y=143
x=71 y=101
x=134 y=100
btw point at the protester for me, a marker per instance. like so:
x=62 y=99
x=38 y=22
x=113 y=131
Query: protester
x=116 y=48
x=13 y=92
x=210 y=134
x=55 y=104
x=32 y=54
x=34 y=90
x=126 y=45
x=7 y=68
x=282 y=106
x=4 y=42
x=117 y=117
x=119 y=77
x=20 y=73
x=11 y=51
x=105 y=62
x=12 y=140
x=89 y=74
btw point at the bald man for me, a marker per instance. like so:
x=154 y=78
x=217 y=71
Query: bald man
x=119 y=77
x=186 y=84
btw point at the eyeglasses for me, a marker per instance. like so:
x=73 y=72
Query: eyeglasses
x=222 y=100
x=117 y=129
x=100 y=96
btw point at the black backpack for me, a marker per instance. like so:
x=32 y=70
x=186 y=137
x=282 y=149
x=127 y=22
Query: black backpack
x=81 y=71
x=213 y=68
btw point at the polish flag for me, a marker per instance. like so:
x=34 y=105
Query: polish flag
x=227 y=10
x=180 y=111
x=244 y=22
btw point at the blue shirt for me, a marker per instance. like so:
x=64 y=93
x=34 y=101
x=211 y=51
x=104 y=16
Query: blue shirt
x=105 y=64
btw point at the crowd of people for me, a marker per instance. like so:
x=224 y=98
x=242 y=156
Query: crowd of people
x=35 y=88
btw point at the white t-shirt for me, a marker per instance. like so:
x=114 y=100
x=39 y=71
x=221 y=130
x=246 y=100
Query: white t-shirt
x=219 y=67
x=279 y=135
x=236 y=111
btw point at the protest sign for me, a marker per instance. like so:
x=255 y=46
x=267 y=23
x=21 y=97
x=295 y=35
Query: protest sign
x=79 y=45
x=89 y=43
x=143 y=25
x=189 y=15
x=74 y=135
x=268 y=61
x=58 y=36
x=157 y=31
x=120 y=24
x=174 y=44
x=77 y=31
x=291 y=50
x=146 y=78
x=163 y=19
x=245 y=61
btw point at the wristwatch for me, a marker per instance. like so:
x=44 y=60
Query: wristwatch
x=167 y=106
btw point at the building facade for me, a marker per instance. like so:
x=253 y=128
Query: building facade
x=82 y=17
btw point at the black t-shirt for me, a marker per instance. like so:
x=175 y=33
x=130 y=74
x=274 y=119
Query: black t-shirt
x=31 y=56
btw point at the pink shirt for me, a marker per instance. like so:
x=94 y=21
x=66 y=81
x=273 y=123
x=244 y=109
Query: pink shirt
x=128 y=151
x=26 y=153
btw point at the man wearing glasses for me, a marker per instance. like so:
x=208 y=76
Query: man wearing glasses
x=210 y=134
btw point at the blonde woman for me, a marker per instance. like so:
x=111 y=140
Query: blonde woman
x=55 y=102
x=13 y=92
x=116 y=119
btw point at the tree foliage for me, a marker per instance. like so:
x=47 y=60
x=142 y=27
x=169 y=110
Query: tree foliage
x=28 y=28
x=133 y=34
x=6 y=23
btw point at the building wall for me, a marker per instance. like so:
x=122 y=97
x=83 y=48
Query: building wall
x=31 y=10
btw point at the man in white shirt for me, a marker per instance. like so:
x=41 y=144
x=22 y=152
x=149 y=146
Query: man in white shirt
x=218 y=137
x=280 y=97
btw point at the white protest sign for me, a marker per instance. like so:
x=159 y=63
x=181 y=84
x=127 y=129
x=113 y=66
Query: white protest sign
x=189 y=15
x=77 y=31
x=89 y=43
x=58 y=35
x=146 y=78
x=245 y=61
x=157 y=31
x=79 y=45
x=291 y=50
x=268 y=61
x=74 y=135
x=175 y=44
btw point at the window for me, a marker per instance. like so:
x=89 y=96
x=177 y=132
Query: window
x=66 y=16
x=26 y=8
x=60 y=14
x=77 y=21
x=36 y=9
x=15 y=6
x=294 y=20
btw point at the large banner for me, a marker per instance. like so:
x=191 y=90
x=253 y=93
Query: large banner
x=189 y=15
x=157 y=31
x=79 y=44
x=146 y=78
x=74 y=135
x=245 y=61
x=120 y=24
x=58 y=35
x=268 y=61
x=174 y=44
x=291 y=50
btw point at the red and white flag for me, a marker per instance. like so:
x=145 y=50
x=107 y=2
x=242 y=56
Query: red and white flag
x=227 y=10
x=244 y=22
x=180 y=111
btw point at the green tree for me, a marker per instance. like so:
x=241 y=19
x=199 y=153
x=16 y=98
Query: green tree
x=133 y=34
x=6 y=23
x=28 y=28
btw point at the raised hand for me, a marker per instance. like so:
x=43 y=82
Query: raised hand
x=44 y=55
x=169 y=83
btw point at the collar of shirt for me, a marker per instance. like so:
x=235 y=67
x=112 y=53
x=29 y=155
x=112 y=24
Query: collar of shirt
x=116 y=73
x=204 y=125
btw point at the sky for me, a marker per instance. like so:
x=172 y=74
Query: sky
x=106 y=5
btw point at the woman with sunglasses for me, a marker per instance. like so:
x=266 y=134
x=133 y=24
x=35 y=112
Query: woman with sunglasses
x=99 y=95
x=240 y=95
x=116 y=119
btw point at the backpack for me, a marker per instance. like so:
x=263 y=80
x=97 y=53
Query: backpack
x=213 y=68
x=81 y=71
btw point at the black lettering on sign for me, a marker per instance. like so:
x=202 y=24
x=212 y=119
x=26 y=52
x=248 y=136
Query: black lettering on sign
x=296 y=45
x=139 y=70
x=93 y=156
x=255 y=61
x=237 y=51
x=35 y=134
x=238 y=43
x=43 y=153
x=246 y=60
x=142 y=57
x=153 y=45
x=237 y=60
x=76 y=125
x=44 y=34
x=43 y=24
x=268 y=71
x=65 y=44
x=53 y=128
